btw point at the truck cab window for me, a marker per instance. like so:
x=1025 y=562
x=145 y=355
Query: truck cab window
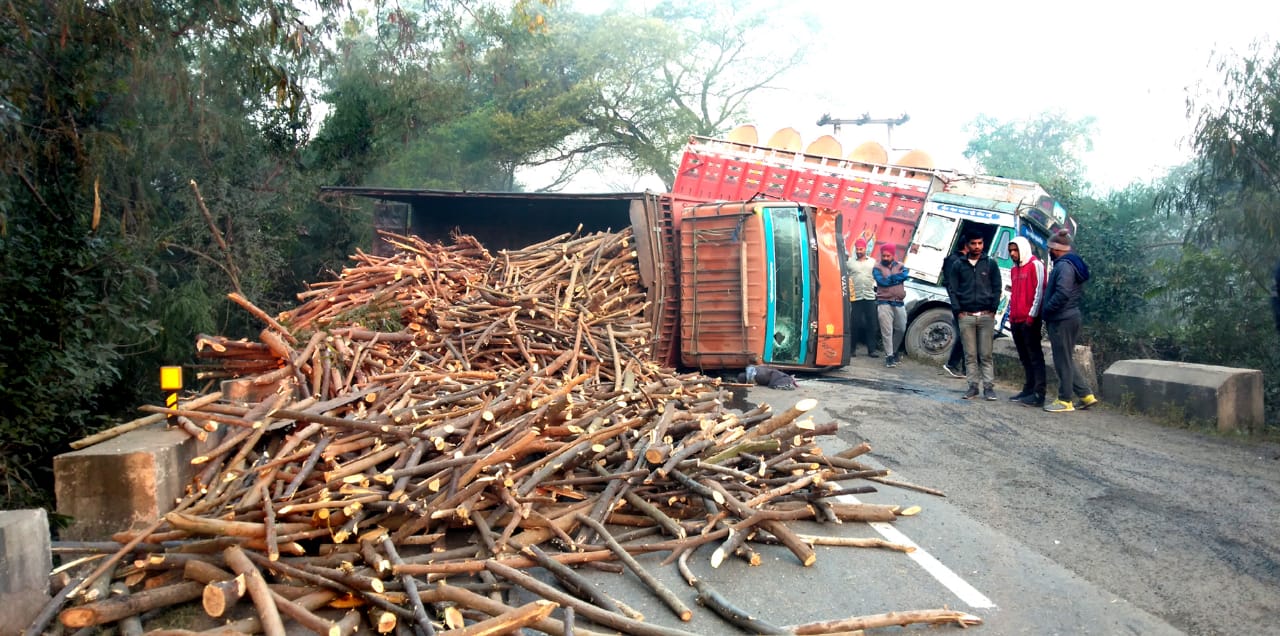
x=937 y=232
x=1000 y=248
x=788 y=315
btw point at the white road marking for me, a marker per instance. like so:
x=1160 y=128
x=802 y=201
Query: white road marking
x=933 y=566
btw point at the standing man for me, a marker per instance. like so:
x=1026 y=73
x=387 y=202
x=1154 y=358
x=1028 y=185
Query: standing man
x=1275 y=296
x=975 y=293
x=1025 y=298
x=863 y=310
x=1062 y=318
x=890 y=294
x=954 y=365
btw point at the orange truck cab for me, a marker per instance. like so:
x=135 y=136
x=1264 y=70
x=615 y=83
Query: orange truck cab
x=761 y=282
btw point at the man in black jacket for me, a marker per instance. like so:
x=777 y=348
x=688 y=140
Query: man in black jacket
x=954 y=366
x=974 y=285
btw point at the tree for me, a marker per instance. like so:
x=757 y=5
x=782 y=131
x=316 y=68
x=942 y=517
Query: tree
x=465 y=100
x=644 y=83
x=107 y=268
x=1232 y=194
x=1045 y=149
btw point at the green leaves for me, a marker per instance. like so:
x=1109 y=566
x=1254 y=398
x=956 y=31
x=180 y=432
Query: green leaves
x=1233 y=188
x=1046 y=149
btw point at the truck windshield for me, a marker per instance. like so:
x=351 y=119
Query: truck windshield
x=937 y=232
x=788 y=286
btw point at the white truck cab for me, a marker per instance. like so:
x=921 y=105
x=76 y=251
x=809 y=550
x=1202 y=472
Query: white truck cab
x=997 y=208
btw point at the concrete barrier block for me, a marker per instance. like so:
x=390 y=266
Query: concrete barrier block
x=1009 y=368
x=1230 y=398
x=25 y=563
x=126 y=482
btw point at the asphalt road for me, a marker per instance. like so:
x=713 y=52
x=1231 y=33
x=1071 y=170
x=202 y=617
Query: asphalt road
x=1093 y=522
x=1181 y=524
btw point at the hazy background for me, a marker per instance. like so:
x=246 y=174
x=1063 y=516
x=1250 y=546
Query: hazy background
x=1127 y=64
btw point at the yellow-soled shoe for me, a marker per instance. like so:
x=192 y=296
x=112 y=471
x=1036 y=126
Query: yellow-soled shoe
x=1088 y=401
x=1058 y=406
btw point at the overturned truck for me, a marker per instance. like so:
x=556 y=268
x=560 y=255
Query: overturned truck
x=744 y=261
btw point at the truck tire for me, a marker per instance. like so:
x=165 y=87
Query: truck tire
x=931 y=334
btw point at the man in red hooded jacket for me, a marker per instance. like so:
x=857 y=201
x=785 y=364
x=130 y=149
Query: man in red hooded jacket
x=1025 y=298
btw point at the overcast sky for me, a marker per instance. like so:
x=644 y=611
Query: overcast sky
x=1126 y=63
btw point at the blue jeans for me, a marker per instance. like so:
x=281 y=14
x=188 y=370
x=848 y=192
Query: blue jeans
x=977 y=334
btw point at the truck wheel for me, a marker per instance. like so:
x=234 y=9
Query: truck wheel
x=931 y=334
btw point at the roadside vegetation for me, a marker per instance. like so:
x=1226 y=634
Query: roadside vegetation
x=155 y=156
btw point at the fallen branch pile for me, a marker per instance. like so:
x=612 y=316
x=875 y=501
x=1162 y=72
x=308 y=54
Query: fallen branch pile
x=424 y=428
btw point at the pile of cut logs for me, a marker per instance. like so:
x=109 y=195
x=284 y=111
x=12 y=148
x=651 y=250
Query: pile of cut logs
x=418 y=433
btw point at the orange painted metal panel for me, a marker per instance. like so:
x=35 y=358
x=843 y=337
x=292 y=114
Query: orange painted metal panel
x=723 y=286
x=832 y=292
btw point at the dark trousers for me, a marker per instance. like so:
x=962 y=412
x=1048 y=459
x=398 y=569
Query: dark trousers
x=864 y=325
x=1026 y=337
x=1062 y=340
x=956 y=361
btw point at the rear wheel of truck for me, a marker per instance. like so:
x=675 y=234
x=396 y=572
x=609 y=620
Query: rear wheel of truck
x=931 y=334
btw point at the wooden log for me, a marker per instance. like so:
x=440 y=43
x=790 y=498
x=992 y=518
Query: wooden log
x=593 y=613
x=466 y=598
x=509 y=621
x=803 y=551
x=756 y=446
x=220 y=596
x=909 y=486
x=782 y=419
x=50 y=609
x=269 y=523
x=571 y=580
x=305 y=617
x=410 y=588
x=890 y=619
x=154 y=418
x=737 y=535
x=253 y=625
x=222 y=527
x=665 y=595
x=855 y=542
x=710 y=598
x=261 y=315
x=111 y=610
x=258 y=591
x=854 y=451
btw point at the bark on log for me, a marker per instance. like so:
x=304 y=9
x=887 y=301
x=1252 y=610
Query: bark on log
x=507 y=622
x=667 y=596
x=605 y=618
x=111 y=610
x=258 y=591
x=890 y=619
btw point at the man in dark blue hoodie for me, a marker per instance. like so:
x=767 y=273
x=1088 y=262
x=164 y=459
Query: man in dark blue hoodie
x=1061 y=314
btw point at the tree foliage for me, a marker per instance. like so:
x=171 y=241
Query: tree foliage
x=1233 y=190
x=1046 y=149
x=106 y=269
x=649 y=81
x=468 y=101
